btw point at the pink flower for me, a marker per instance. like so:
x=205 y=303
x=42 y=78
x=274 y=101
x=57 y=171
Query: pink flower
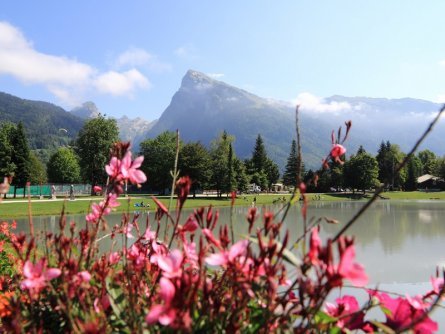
x=314 y=246
x=114 y=258
x=114 y=168
x=351 y=270
x=84 y=276
x=347 y=269
x=103 y=208
x=127 y=231
x=337 y=151
x=190 y=253
x=103 y=302
x=171 y=264
x=225 y=257
x=210 y=237
x=437 y=283
x=162 y=314
x=401 y=314
x=167 y=291
x=37 y=275
x=160 y=205
x=165 y=314
x=347 y=305
x=97 y=189
x=130 y=171
x=190 y=225
x=149 y=235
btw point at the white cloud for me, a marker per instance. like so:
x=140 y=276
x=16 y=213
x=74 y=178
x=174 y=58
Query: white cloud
x=442 y=63
x=65 y=77
x=310 y=102
x=124 y=83
x=187 y=52
x=133 y=57
x=215 y=75
x=136 y=57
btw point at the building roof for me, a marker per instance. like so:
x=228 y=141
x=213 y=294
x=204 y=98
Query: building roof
x=427 y=177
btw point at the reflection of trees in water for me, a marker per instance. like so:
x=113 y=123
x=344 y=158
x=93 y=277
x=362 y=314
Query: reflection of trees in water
x=390 y=223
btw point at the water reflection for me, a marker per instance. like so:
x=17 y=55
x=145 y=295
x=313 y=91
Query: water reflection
x=396 y=241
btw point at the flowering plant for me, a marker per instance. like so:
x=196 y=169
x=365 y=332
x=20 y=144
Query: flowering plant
x=194 y=277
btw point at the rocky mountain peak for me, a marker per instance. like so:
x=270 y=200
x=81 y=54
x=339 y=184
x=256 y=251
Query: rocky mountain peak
x=86 y=110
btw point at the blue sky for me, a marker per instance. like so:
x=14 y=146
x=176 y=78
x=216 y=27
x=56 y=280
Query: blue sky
x=129 y=57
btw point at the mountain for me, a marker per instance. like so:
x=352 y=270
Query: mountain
x=203 y=107
x=133 y=129
x=47 y=125
x=129 y=129
x=86 y=110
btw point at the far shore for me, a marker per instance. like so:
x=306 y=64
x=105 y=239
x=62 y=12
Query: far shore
x=19 y=207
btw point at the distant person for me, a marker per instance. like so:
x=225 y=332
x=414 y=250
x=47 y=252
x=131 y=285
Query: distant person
x=53 y=192
x=254 y=202
x=72 y=193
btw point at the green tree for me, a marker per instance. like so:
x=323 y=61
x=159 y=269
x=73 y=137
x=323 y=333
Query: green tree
x=413 y=171
x=159 y=160
x=20 y=158
x=38 y=171
x=242 y=179
x=361 y=172
x=384 y=162
x=429 y=162
x=194 y=161
x=337 y=179
x=261 y=168
x=259 y=155
x=219 y=153
x=63 y=166
x=272 y=172
x=388 y=158
x=230 y=183
x=291 y=169
x=7 y=167
x=93 y=146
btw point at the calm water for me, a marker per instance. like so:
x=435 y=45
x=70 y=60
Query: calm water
x=399 y=243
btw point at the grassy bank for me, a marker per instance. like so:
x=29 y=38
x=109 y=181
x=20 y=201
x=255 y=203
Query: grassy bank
x=18 y=208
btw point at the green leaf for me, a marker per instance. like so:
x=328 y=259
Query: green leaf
x=324 y=318
x=117 y=299
x=383 y=327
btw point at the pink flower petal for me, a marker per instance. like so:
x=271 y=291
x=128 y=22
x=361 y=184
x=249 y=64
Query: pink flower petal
x=167 y=290
x=238 y=249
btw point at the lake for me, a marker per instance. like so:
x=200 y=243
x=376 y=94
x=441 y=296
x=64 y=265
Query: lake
x=400 y=243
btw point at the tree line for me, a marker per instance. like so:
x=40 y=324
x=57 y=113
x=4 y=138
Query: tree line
x=362 y=170
x=215 y=167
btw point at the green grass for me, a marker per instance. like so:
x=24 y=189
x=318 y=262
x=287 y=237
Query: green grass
x=11 y=208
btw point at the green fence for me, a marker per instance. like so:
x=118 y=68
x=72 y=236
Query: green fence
x=45 y=190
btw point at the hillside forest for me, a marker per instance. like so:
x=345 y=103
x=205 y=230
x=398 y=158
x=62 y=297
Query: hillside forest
x=216 y=167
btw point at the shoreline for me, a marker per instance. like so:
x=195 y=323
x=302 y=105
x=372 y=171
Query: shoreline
x=13 y=208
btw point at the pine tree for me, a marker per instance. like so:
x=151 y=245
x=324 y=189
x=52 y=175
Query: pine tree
x=20 y=158
x=7 y=167
x=291 y=170
x=259 y=156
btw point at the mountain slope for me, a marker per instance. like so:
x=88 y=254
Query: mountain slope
x=202 y=108
x=47 y=125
